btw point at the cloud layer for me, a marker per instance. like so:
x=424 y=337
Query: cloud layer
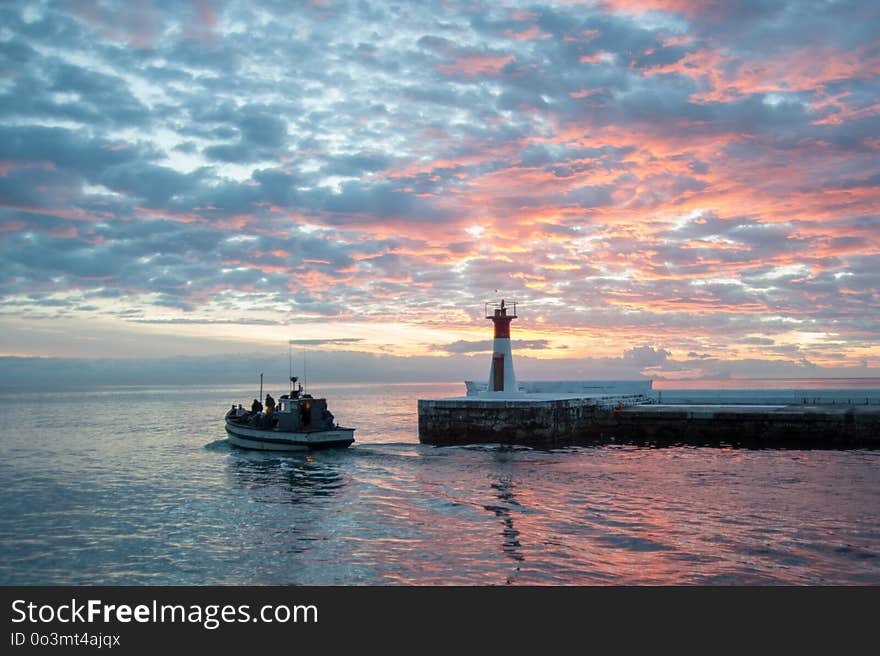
x=660 y=182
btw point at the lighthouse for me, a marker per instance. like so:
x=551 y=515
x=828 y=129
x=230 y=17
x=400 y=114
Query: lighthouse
x=501 y=376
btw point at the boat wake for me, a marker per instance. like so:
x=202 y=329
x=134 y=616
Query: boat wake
x=218 y=445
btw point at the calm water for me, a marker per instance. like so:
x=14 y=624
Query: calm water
x=140 y=487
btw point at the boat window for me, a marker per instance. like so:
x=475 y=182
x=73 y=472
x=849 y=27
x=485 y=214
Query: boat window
x=305 y=413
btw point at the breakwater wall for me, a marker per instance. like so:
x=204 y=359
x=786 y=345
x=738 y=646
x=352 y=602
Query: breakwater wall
x=536 y=421
x=550 y=420
x=793 y=425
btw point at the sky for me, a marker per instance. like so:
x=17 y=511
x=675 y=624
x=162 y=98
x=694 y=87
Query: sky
x=666 y=189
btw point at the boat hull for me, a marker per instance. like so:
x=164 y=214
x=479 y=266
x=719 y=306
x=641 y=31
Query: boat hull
x=273 y=440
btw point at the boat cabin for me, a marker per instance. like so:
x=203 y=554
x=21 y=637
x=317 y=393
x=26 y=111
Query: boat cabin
x=302 y=413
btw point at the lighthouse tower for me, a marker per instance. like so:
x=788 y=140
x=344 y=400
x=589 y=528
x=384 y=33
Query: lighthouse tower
x=501 y=376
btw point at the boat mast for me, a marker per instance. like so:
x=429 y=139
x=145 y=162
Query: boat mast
x=260 y=397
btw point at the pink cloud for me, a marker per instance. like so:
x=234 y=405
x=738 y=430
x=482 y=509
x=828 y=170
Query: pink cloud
x=476 y=65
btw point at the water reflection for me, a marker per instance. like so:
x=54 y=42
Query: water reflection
x=504 y=492
x=284 y=479
x=87 y=505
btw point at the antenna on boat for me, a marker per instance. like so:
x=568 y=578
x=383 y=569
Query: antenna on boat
x=260 y=397
x=293 y=379
x=305 y=371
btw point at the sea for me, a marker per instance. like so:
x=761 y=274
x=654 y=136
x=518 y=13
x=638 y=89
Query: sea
x=138 y=486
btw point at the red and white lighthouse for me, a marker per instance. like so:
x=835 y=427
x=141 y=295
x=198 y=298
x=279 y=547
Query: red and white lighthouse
x=501 y=376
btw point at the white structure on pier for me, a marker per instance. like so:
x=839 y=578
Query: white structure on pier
x=502 y=379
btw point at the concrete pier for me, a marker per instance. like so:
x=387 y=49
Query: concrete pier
x=794 y=425
x=630 y=413
x=535 y=419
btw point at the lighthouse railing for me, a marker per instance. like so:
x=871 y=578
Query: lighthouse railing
x=510 y=309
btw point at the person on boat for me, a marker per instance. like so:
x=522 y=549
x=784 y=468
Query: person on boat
x=256 y=407
x=270 y=404
x=240 y=412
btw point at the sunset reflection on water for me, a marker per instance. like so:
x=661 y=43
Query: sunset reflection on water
x=95 y=496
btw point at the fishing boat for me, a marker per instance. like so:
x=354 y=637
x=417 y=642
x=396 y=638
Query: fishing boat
x=298 y=422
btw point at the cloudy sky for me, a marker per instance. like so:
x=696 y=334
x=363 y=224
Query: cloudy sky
x=681 y=186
